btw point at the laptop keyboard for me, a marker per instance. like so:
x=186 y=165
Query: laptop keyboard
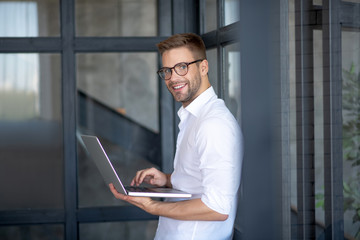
x=137 y=189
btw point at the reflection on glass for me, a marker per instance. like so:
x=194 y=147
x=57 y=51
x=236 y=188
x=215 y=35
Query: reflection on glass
x=43 y=231
x=210 y=16
x=232 y=71
x=212 y=58
x=31 y=131
x=19 y=98
x=118 y=230
x=116 y=18
x=128 y=84
x=351 y=131
x=29 y=18
x=318 y=125
x=125 y=82
x=92 y=189
x=292 y=108
x=232 y=11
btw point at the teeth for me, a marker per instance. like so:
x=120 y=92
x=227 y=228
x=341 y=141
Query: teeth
x=177 y=87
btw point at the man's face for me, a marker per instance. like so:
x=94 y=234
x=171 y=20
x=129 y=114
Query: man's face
x=183 y=88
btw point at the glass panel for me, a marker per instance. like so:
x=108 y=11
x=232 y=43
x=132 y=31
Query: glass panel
x=232 y=79
x=137 y=230
x=292 y=108
x=232 y=9
x=319 y=130
x=210 y=17
x=43 y=232
x=351 y=131
x=92 y=189
x=116 y=18
x=125 y=82
x=317 y=2
x=29 y=18
x=213 y=65
x=31 y=131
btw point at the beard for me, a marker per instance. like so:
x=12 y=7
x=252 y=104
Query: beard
x=187 y=95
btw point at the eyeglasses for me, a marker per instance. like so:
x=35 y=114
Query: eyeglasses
x=181 y=69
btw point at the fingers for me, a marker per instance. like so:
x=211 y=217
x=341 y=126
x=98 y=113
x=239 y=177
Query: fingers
x=141 y=202
x=116 y=193
x=146 y=175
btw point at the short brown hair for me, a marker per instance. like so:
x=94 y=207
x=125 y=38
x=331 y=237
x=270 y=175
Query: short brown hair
x=190 y=40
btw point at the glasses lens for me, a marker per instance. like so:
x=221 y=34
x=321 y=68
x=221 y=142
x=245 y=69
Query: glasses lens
x=181 y=69
x=165 y=73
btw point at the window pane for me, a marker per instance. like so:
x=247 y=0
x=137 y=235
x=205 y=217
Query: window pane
x=125 y=82
x=292 y=108
x=317 y=2
x=210 y=22
x=232 y=79
x=43 y=232
x=351 y=131
x=29 y=18
x=213 y=65
x=116 y=18
x=92 y=189
x=232 y=10
x=136 y=230
x=319 y=129
x=31 y=131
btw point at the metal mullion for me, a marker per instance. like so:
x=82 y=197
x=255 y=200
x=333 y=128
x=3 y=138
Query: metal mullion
x=220 y=13
x=202 y=13
x=166 y=101
x=30 y=45
x=178 y=26
x=229 y=33
x=69 y=117
x=332 y=85
x=305 y=121
x=224 y=35
x=178 y=16
x=113 y=214
x=116 y=44
x=220 y=50
x=32 y=216
x=285 y=120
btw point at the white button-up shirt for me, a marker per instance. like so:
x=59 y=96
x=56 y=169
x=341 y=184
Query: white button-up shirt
x=207 y=164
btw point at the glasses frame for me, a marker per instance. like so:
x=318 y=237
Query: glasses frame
x=174 y=68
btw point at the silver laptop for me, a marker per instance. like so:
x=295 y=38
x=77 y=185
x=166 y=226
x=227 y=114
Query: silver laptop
x=109 y=174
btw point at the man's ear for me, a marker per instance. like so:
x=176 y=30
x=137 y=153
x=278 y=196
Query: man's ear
x=204 y=67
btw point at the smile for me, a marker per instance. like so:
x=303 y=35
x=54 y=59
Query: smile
x=179 y=86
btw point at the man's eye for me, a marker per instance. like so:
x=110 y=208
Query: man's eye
x=167 y=70
x=181 y=66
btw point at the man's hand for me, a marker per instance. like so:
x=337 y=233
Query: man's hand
x=141 y=202
x=193 y=209
x=151 y=176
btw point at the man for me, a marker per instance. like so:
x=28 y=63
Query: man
x=208 y=155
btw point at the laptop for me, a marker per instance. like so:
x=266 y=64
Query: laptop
x=103 y=163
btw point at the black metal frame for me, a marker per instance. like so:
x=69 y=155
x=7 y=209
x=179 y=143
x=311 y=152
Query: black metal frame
x=68 y=45
x=260 y=204
x=173 y=17
x=333 y=159
x=331 y=17
x=305 y=120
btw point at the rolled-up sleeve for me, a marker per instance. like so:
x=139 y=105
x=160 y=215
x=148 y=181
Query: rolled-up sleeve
x=219 y=145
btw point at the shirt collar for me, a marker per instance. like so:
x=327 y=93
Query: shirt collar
x=196 y=105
